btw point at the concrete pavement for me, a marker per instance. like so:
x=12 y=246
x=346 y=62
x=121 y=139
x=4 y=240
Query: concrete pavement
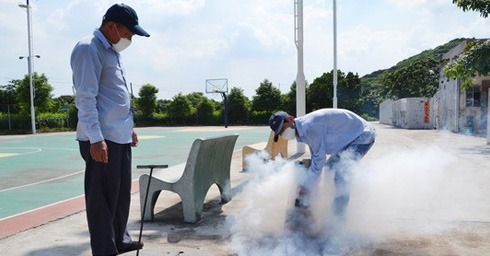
x=398 y=202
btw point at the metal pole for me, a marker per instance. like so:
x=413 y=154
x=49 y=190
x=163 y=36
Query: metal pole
x=334 y=53
x=300 y=77
x=151 y=167
x=144 y=209
x=225 y=102
x=132 y=95
x=488 y=117
x=30 y=64
x=8 y=109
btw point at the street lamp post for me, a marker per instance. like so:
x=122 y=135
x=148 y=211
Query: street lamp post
x=300 y=77
x=334 y=53
x=29 y=63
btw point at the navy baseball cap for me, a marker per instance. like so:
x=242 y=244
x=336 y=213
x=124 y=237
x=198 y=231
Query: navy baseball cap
x=276 y=121
x=126 y=16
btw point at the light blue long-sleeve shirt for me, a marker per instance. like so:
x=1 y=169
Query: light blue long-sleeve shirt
x=102 y=96
x=327 y=131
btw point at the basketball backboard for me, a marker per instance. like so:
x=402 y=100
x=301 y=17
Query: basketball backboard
x=217 y=85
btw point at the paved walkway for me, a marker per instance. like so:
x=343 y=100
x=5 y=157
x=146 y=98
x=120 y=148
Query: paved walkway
x=418 y=192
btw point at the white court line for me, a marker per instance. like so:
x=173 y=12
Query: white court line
x=43 y=181
x=72 y=149
x=53 y=179
x=39 y=208
x=36 y=150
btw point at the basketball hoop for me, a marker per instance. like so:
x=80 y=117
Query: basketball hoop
x=219 y=85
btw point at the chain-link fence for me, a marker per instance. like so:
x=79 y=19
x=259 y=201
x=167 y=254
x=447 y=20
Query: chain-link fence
x=23 y=125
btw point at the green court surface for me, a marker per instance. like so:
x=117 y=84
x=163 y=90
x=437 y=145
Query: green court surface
x=38 y=170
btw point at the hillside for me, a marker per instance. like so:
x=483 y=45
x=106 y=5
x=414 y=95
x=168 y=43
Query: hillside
x=374 y=91
x=435 y=53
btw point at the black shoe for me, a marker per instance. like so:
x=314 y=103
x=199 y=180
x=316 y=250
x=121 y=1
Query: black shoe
x=132 y=247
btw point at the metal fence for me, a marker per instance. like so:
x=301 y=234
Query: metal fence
x=23 y=125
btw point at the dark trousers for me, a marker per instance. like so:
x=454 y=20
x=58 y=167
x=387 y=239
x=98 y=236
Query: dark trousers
x=107 y=198
x=342 y=163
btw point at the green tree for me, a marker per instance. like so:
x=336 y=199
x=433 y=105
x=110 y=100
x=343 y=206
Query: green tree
x=218 y=105
x=482 y=6
x=163 y=106
x=8 y=100
x=63 y=102
x=349 y=92
x=320 y=92
x=72 y=116
x=418 y=79
x=42 y=94
x=238 y=105
x=472 y=62
x=180 y=109
x=195 y=98
x=267 y=98
x=370 y=98
x=204 y=111
x=147 y=101
x=289 y=100
x=66 y=99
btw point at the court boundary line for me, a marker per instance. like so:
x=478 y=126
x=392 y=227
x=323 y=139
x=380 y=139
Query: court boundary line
x=24 y=221
x=21 y=154
x=41 y=208
x=42 y=181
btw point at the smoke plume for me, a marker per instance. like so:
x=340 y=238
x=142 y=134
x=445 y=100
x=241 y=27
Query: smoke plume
x=411 y=191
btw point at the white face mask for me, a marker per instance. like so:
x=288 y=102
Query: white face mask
x=122 y=44
x=289 y=133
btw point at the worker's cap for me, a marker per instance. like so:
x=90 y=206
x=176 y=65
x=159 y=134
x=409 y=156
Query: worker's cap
x=276 y=121
x=126 y=16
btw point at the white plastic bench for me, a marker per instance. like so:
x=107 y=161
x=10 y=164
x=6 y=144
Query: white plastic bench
x=208 y=163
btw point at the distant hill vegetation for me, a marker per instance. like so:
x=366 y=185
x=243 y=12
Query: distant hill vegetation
x=416 y=76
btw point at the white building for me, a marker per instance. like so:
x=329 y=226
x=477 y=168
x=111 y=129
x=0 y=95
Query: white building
x=462 y=110
x=451 y=108
x=408 y=113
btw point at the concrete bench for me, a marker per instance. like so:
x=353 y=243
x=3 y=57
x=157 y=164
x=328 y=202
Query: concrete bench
x=272 y=148
x=208 y=163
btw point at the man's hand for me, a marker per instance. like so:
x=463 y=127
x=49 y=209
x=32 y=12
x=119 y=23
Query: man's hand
x=98 y=151
x=135 y=140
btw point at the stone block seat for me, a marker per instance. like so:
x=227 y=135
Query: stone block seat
x=272 y=148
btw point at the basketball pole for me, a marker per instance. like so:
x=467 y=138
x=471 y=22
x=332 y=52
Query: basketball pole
x=225 y=102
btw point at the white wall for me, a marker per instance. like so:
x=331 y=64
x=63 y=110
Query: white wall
x=408 y=113
x=448 y=103
x=386 y=112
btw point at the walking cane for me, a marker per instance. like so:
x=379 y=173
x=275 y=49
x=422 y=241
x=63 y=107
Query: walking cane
x=151 y=167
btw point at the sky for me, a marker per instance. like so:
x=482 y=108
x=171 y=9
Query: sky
x=243 y=41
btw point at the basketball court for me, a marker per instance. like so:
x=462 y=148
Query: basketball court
x=40 y=170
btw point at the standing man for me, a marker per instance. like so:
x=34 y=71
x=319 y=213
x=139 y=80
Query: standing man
x=336 y=132
x=105 y=129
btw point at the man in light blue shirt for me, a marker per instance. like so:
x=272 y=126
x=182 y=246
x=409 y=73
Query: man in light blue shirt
x=105 y=129
x=339 y=133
